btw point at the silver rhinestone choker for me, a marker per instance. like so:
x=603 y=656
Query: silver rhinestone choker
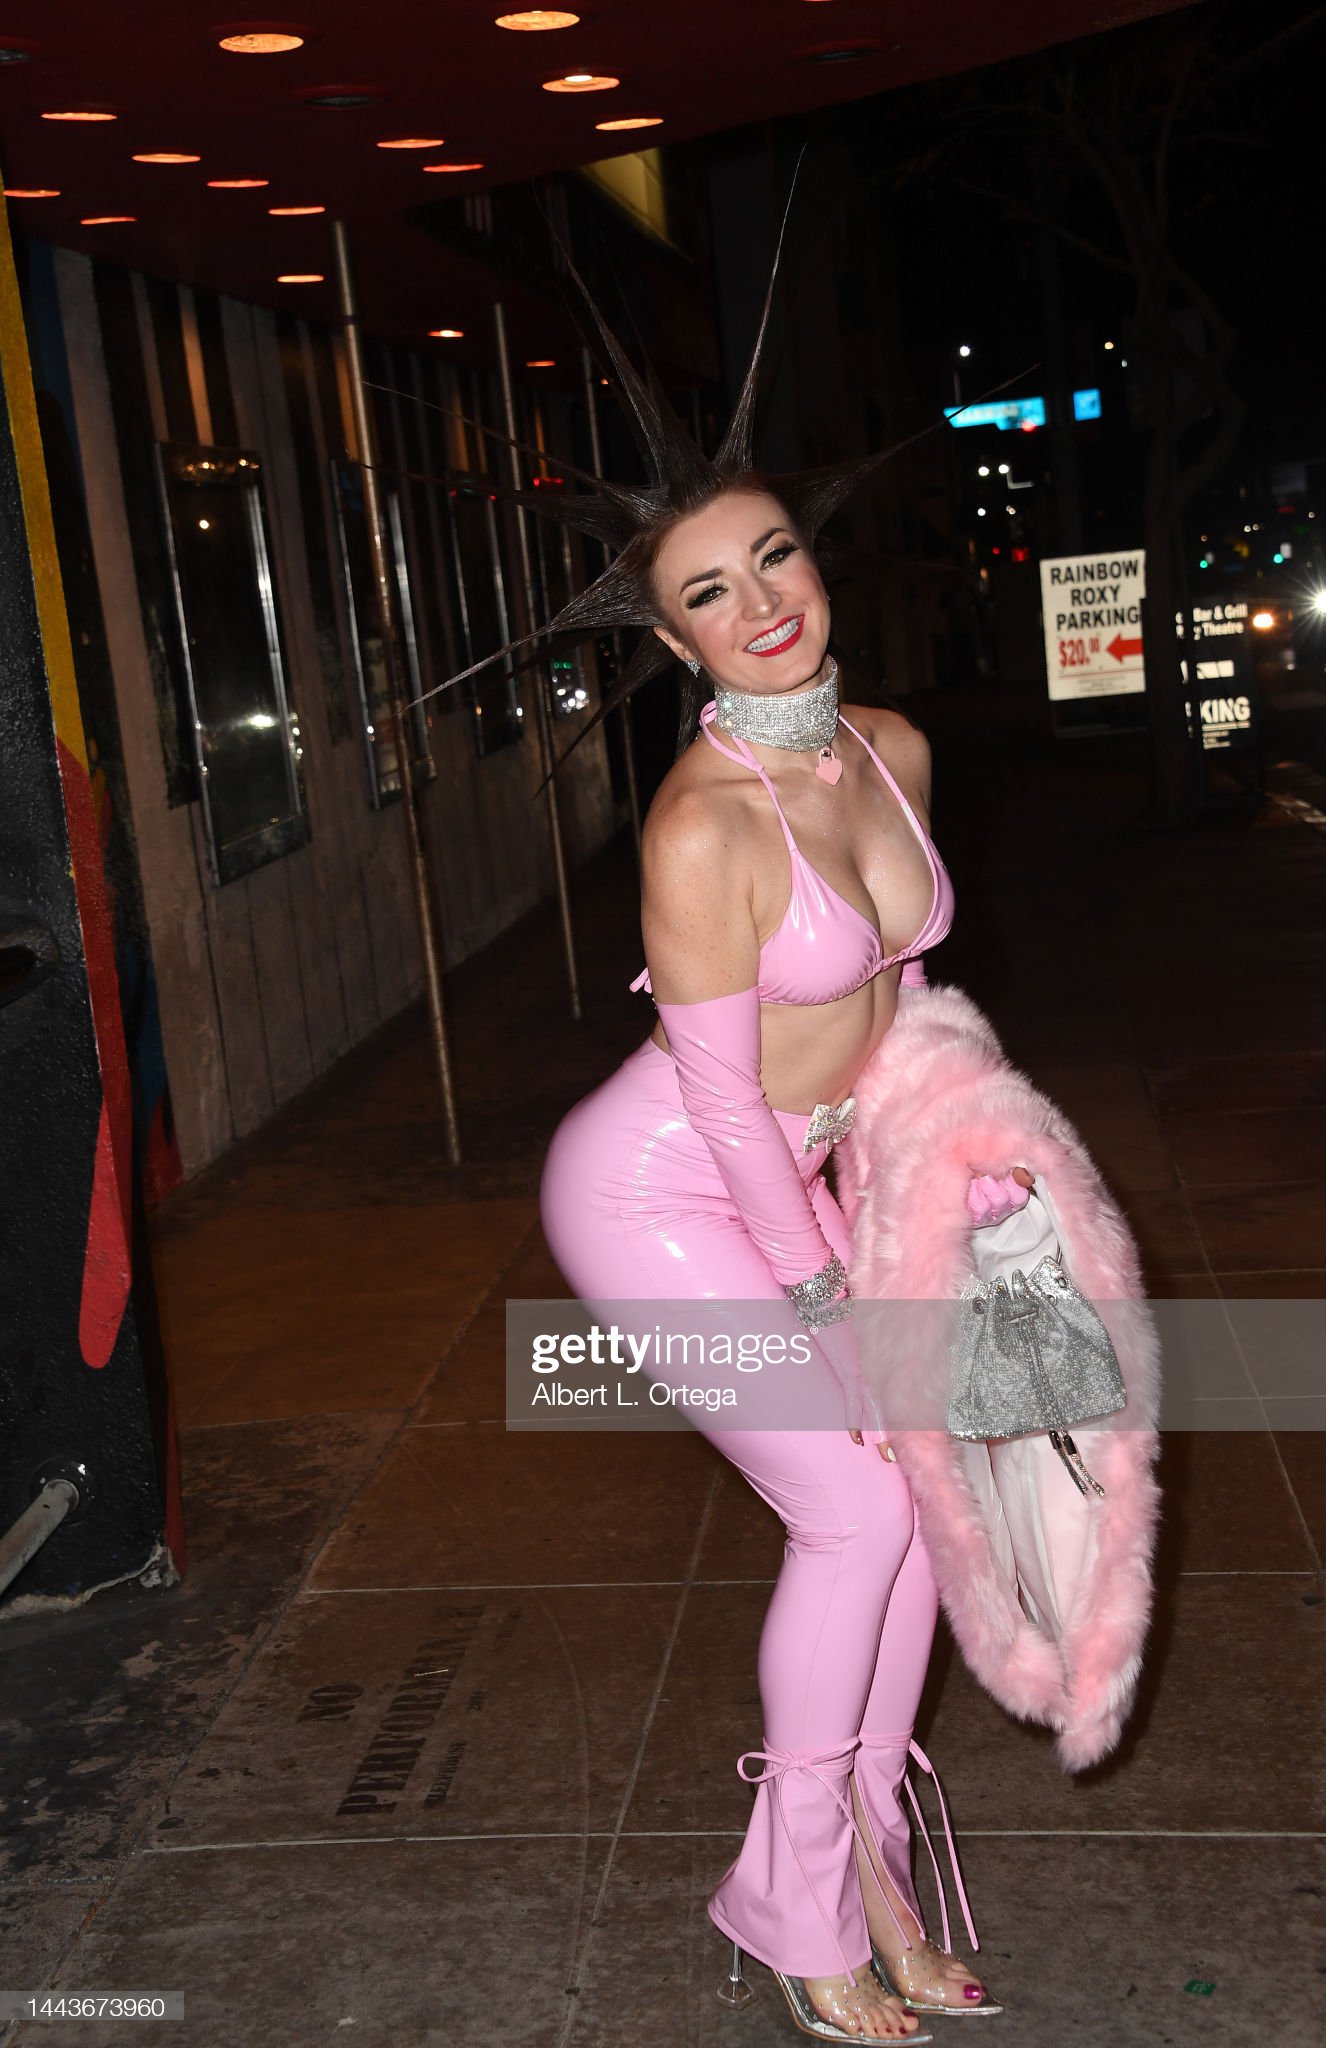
x=796 y=719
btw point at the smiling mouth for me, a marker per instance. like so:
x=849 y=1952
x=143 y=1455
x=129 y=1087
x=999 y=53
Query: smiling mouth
x=779 y=637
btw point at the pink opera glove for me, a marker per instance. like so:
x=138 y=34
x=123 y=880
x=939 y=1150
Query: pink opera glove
x=990 y=1200
x=715 y=1046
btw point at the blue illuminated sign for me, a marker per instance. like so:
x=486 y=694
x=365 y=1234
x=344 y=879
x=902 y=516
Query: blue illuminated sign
x=999 y=412
x=1023 y=413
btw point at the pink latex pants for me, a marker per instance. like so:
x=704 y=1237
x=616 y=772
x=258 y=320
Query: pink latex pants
x=634 y=1209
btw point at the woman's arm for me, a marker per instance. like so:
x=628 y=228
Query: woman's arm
x=703 y=951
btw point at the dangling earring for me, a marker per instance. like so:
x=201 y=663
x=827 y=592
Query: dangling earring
x=692 y=664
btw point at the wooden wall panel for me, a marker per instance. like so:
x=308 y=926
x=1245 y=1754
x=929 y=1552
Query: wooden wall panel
x=191 y=1030
x=266 y=981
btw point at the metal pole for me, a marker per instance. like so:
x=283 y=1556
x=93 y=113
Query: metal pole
x=628 y=737
x=425 y=907
x=539 y=679
x=40 y=1519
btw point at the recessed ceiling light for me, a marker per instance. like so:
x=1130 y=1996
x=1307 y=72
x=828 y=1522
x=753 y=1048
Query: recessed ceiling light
x=541 y=363
x=260 y=43
x=236 y=184
x=414 y=142
x=336 y=99
x=579 y=81
x=287 y=212
x=447 y=333
x=80 y=114
x=300 y=277
x=453 y=167
x=538 y=18
x=844 y=53
x=165 y=156
x=31 y=192
x=632 y=121
x=105 y=220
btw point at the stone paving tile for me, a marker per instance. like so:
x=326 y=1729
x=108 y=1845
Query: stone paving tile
x=1073 y=1940
x=1250 y=1081
x=470 y=1384
x=1225 y=1506
x=385 y=1944
x=261 y=1498
x=1244 y=1229
x=423 y=1713
x=1161 y=1220
x=1214 y=1148
x=1303 y=1454
x=346 y=1310
x=481 y=1506
x=39 y=1923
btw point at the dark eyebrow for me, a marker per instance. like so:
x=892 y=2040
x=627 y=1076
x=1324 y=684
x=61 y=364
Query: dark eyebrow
x=755 y=547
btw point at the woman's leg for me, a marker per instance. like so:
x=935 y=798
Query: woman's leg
x=886 y=1729
x=618 y=1224
x=881 y=1761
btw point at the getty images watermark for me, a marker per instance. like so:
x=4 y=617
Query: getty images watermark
x=626 y=1365
x=664 y=1367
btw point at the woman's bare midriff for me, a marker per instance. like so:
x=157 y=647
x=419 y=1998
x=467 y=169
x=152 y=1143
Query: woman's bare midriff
x=814 y=1052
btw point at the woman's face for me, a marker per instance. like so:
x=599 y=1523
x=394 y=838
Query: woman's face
x=739 y=591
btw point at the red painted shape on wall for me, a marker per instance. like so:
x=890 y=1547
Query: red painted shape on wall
x=106 y=1258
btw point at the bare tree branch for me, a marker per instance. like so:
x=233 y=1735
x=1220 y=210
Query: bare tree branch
x=1016 y=209
x=1163 y=140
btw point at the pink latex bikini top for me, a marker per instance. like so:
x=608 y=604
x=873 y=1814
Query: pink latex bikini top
x=825 y=947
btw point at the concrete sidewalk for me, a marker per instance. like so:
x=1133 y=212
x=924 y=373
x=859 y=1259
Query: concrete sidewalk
x=545 y=1645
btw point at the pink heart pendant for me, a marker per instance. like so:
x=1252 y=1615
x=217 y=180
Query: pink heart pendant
x=829 y=768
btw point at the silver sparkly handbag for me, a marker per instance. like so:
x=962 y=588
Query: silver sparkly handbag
x=1031 y=1355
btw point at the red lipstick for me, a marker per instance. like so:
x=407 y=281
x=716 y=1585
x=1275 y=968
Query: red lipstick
x=765 y=652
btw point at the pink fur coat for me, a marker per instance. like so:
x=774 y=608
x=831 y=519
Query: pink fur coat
x=938 y=1102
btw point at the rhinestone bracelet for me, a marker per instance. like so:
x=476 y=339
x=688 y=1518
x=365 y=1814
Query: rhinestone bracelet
x=823 y=1298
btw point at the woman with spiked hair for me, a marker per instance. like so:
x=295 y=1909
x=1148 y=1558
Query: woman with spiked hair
x=789 y=886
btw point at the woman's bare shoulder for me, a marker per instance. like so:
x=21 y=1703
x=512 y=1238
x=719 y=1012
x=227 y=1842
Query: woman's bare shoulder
x=697 y=810
x=702 y=784
x=899 y=743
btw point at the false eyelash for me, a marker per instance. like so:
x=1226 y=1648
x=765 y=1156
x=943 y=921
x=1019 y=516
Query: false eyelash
x=774 y=554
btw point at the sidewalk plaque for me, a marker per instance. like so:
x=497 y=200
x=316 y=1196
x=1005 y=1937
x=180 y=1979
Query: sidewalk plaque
x=1091 y=606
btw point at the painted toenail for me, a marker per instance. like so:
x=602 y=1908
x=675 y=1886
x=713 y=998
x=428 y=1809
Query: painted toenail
x=971 y=1991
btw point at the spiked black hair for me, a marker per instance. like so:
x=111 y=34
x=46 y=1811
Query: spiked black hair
x=632 y=519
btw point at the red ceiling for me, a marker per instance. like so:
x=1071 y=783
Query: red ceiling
x=444 y=70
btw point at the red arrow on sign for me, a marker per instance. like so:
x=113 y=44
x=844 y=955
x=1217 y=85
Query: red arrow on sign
x=1121 y=648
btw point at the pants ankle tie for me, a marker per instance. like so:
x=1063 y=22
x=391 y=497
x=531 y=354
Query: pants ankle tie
x=896 y=1743
x=826 y=1765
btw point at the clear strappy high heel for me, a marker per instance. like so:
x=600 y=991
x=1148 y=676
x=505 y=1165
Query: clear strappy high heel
x=916 y=1977
x=735 y=1993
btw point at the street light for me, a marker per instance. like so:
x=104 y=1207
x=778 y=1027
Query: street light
x=964 y=351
